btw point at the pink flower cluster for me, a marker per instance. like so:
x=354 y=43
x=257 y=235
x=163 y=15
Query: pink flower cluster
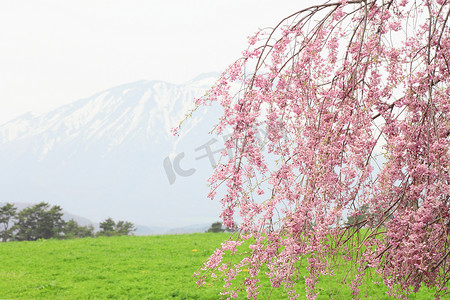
x=354 y=96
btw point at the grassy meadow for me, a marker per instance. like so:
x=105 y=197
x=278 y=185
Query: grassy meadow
x=130 y=267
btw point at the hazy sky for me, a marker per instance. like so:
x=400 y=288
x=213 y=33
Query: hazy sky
x=53 y=52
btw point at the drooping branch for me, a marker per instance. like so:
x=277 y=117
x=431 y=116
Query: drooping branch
x=353 y=97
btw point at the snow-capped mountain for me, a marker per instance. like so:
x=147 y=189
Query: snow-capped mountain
x=112 y=155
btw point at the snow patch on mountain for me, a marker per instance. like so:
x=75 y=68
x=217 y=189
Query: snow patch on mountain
x=103 y=155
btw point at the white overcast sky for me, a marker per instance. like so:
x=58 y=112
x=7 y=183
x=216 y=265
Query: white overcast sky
x=53 y=52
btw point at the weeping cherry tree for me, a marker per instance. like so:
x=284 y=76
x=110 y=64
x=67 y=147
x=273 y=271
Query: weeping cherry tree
x=354 y=169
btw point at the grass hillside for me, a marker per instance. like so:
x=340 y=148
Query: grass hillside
x=127 y=267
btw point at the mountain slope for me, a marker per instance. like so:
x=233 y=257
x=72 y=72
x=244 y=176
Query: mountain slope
x=112 y=154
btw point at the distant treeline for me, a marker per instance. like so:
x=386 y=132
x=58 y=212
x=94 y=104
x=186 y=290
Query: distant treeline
x=219 y=227
x=42 y=221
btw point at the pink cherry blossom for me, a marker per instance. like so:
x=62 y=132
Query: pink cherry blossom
x=355 y=165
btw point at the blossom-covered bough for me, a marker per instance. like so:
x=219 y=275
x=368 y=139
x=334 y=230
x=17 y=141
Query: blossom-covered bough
x=354 y=169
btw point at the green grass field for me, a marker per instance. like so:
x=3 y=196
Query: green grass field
x=128 y=267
